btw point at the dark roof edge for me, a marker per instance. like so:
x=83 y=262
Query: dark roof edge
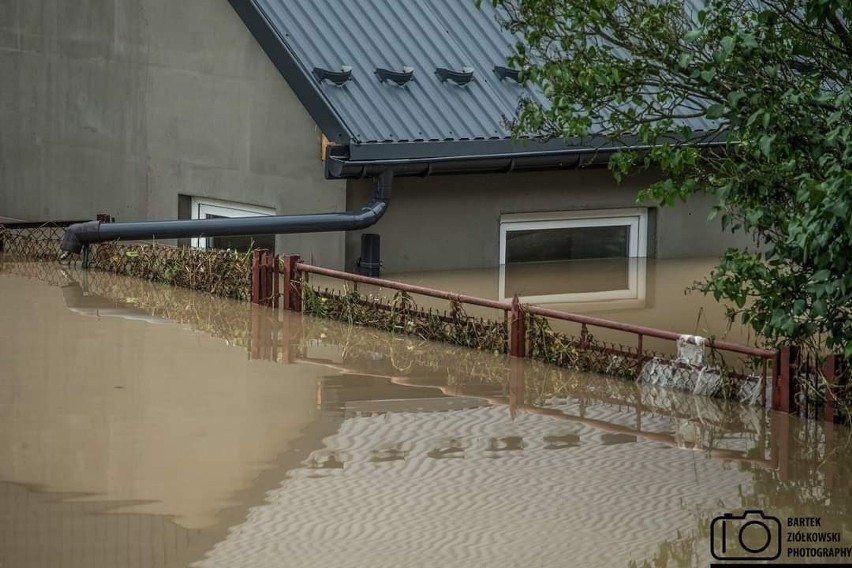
x=535 y=156
x=302 y=83
x=338 y=167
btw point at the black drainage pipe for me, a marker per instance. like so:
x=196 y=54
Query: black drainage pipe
x=81 y=234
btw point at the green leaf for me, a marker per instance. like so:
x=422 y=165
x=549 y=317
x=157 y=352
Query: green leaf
x=715 y=111
x=766 y=145
x=692 y=35
x=821 y=275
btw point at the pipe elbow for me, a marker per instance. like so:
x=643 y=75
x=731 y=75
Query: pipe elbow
x=80 y=234
x=371 y=214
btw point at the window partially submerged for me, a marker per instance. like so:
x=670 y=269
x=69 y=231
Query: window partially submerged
x=577 y=256
x=203 y=208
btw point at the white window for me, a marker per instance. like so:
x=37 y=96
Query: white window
x=578 y=256
x=203 y=208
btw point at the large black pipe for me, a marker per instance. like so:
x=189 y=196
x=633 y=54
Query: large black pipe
x=95 y=232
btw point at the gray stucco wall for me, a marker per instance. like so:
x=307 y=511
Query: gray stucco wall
x=118 y=106
x=453 y=222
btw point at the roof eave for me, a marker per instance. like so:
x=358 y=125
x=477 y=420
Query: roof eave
x=342 y=167
x=482 y=156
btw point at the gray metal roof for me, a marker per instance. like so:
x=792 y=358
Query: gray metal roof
x=368 y=34
x=425 y=118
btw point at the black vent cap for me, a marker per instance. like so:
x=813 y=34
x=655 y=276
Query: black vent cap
x=400 y=78
x=460 y=78
x=339 y=78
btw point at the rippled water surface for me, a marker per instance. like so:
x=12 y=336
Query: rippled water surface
x=146 y=426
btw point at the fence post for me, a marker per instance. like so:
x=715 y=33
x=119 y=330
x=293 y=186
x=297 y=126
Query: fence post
x=255 y=276
x=784 y=388
x=292 y=283
x=517 y=330
x=268 y=278
x=829 y=371
x=782 y=445
x=517 y=390
x=256 y=334
x=276 y=265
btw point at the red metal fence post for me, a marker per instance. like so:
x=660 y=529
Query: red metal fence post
x=292 y=283
x=829 y=371
x=255 y=276
x=517 y=390
x=276 y=269
x=517 y=330
x=782 y=445
x=268 y=278
x=255 y=337
x=784 y=389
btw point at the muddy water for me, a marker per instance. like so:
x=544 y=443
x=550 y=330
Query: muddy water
x=145 y=426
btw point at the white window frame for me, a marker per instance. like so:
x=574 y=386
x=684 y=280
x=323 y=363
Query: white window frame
x=202 y=206
x=634 y=218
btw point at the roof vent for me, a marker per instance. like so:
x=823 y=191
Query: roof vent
x=459 y=78
x=339 y=78
x=507 y=73
x=399 y=78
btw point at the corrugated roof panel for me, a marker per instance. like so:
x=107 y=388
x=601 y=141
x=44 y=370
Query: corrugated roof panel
x=367 y=34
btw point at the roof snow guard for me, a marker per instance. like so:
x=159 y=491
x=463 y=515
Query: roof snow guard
x=343 y=63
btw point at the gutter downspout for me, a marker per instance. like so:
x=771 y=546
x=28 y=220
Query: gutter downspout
x=81 y=234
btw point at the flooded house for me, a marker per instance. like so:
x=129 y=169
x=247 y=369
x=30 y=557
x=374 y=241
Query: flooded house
x=204 y=109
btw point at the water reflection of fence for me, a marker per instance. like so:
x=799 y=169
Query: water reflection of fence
x=715 y=428
x=527 y=332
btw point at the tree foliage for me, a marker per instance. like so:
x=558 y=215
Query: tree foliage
x=748 y=100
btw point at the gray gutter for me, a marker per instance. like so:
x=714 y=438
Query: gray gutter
x=339 y=165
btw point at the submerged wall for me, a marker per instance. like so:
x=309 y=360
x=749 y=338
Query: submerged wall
x=453 y=222
x=119 y=106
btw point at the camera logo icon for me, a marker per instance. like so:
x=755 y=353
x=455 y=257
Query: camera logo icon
x=750 y=536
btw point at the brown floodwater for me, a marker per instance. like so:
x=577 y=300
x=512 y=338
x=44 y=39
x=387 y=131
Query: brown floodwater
x=142 y=425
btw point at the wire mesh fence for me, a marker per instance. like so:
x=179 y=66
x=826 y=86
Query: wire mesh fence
x=31 y=241
x=401 y=314
x=223 y=273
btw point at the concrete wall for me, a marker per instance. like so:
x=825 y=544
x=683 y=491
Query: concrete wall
x=118 y=106
x=453 y=222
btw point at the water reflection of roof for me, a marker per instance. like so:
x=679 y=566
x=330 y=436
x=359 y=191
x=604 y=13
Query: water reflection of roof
x=475 y=487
